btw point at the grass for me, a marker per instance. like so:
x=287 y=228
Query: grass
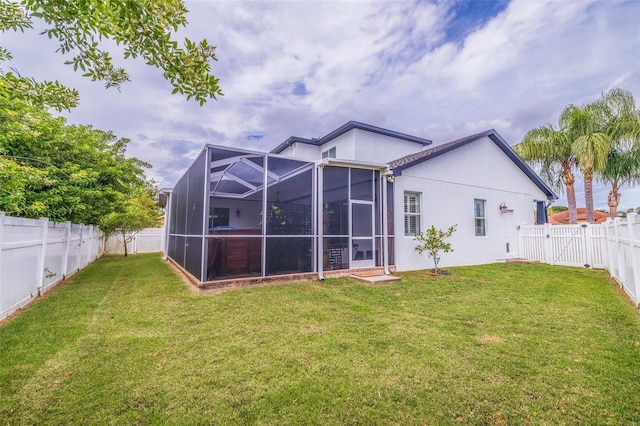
x=125 y=341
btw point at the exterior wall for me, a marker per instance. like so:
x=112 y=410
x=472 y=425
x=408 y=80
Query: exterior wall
x=288 y=151
x=449 y=184
x=372 y=147
x=302 y=151
x=345 y=146
x=356 y=145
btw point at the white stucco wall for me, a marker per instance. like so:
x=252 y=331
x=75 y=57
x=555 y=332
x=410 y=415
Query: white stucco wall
x=357 y=145
x=302 y=151
x=372 y=147
x=287 y=152
x=449 y=184
x=344 y=144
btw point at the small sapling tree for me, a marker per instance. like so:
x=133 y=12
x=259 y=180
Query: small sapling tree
x=432 y=242
x=131 y=215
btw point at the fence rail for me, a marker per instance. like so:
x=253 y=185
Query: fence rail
x=614 y=246
x=36 y=254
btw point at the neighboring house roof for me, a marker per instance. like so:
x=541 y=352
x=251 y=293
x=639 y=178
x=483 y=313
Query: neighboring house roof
x=562 y=218
x=413 y=159
x=351 y=125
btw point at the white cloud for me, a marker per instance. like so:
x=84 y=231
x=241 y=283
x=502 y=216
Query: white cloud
x=383 y=62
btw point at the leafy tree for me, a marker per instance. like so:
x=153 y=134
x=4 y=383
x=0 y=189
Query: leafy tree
x=48 y=168
x=432 y=242
x=557 y=209
x=144 y=28
x=550 y=150
x=131 y=215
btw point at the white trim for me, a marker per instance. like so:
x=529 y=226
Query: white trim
x=205 y=218
x=320 y=213
x=265 y=188
x=352 y=164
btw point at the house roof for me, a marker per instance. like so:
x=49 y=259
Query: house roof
x=351 y=125
x=562 y=218
x=397 y=166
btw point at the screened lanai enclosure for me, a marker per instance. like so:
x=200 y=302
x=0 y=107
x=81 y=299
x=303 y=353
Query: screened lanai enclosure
x=237 y=214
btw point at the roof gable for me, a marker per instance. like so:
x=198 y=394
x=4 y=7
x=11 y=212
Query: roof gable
x=351 y=125
x=413 y=159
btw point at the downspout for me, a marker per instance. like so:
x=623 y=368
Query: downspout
x=385 y=231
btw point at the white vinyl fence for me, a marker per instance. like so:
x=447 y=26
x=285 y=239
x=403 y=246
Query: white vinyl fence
x=35 y=255
x=614 y=246
x=146 y=241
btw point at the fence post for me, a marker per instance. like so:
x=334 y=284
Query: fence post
x=584 y=233
x=635 y=267
x=607 y=261
x=81 y=265
x=1 y=241
x=43 y=252
x=67 y=243
x=546 y=245
x=619 y=253
x=90 y=249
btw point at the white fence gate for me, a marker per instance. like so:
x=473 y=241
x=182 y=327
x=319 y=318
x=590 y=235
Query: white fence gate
x=35 y=255
x=148 y=240
x=614 y=246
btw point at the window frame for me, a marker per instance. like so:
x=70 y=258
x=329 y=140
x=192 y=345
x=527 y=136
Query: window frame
x=416 y=214
x=481 y=218
x=329 y=153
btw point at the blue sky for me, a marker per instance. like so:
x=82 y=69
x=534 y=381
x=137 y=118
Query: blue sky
x=438 y=70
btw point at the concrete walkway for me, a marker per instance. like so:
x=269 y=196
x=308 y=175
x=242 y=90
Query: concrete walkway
x=374 y=279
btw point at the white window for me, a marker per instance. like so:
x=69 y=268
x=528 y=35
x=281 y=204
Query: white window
x=411 y=213
x=480 y=219
x=330 y=153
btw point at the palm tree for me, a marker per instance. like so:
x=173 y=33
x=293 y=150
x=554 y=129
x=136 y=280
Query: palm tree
x=622 y=124
x=549 y=150
x=623 y=167
x=591 y=146
x=602 y=139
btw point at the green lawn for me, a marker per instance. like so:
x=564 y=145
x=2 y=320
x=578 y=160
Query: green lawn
x=125 y=341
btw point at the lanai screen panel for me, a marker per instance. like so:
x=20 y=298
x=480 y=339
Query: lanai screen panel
x=335 y=222
x=361 y=184
x=234 y=229
x=195 y=216
x=195 y=196
x=289 y=217
x=177 y=222
x=390 y=229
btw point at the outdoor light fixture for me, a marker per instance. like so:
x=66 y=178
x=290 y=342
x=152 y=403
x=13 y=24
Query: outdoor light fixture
x=503 y=208
x=238 y=212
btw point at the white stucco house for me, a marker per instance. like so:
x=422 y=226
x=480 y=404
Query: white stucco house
x=353 y=199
